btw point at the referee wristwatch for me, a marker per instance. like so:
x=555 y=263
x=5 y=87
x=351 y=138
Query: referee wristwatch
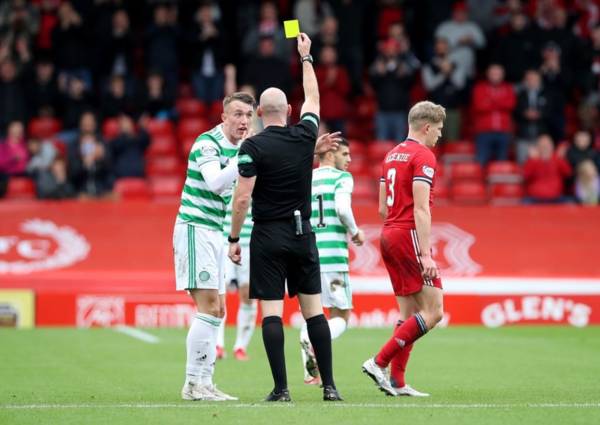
x=233 y=240
x=307 y=58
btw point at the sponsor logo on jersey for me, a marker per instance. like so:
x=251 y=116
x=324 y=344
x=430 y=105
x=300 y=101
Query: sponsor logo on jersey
x=209 y=150
x=204 y=276
x=428 y=171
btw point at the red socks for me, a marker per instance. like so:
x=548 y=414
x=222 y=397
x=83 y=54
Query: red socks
x=411 y=330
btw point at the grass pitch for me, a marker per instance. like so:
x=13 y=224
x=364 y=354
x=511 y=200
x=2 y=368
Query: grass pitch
x=523 y=375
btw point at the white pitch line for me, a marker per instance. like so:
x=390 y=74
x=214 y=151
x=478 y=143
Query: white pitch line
x=137 y=334
x=400 y=405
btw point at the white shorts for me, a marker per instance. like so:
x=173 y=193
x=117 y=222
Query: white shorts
x=199 y=255
x=239 y=273
x=336 y=291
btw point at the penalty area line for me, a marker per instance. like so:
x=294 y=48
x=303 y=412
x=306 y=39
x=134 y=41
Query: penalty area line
x=137 y=334
x=200 y=404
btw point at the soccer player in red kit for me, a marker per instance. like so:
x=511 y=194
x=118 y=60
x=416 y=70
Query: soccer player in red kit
x=405 y=199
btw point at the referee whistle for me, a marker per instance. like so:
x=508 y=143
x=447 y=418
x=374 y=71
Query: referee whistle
x=298 y=221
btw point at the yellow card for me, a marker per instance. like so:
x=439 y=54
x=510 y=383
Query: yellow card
x=292 y=28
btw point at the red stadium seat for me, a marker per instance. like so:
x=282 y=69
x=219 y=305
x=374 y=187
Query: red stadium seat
x=459 y=151
x=466 y=171
x=20 y=188
x=468 y=192
x=162 y=145
x=190 y=108
x=158 y=127
x=441 y=193
x=504 y=172
x=507 y=193
x=110 y=128
x=365 y=191
x=186 y=146
x=214 y=112
x=132 y=188
x=43 y=127
x=164 y=166
x=379 y=148
x=166 y=187
x=192 y=127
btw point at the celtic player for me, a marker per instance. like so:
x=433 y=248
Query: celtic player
x=332 y=220
x=240 y=274
x=198 y=240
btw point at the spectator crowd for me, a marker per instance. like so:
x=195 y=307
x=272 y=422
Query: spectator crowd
x=520 y=81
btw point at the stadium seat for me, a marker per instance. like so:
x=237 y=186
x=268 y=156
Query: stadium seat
x=186 y=146
x=214 y=112
x=507 y=194
x=359 y=166
x=190 y=108
x=504 y=172
x=466 y=171
x=158 y=127
x=357 y=147
x=164 y=166
x=191 y=127
x=440 y=194
x=365 y=191
x=20 y=188
x=458 y=151
x=379 y=148
x=166 y=187
x=162 y=145
x=468 y=192
x=110 y=128
x=43 y=127
x=132 y=188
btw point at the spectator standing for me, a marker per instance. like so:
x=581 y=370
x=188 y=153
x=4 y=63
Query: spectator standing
x=161 y=44
x=70 y=44
x=267 y=26
x=445 y=79
x=48 y=168
x=89 y=166
x=43 y=97
x=157 y=99
x=464 y=37
x=335 y=89
x=392 y=76
x=545 y=173
x=12 y=95
x=582 y=149
x=116 y=99
x=492 y=106
x=13 y=151
x=266 y=69
x=128 y=149
x=587 y=183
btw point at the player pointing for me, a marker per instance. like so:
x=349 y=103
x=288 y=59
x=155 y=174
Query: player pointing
x=405 y=200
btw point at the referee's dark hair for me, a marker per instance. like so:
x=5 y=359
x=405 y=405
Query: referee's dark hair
x=342 y=142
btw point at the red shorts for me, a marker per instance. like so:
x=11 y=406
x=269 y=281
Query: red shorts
x=400 y=252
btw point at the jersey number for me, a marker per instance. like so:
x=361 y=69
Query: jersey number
x=391 y=177
x=321 y=222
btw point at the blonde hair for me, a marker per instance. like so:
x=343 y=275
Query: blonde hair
x=425 y=112
x=243 y=97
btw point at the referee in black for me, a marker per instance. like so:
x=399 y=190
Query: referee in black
x=275 y=168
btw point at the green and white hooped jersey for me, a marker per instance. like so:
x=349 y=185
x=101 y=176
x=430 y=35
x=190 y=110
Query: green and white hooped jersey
x=246 y=227
x=332 y=241
x=199 y=205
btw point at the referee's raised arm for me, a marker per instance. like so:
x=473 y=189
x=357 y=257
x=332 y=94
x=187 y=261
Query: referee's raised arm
x=309 y=79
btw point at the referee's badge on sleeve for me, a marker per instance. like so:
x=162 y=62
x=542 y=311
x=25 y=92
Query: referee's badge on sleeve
x=244 y=159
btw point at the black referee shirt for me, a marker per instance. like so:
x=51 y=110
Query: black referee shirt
x=281 y=159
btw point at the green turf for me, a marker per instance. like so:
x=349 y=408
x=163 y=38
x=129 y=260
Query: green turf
x=524 y=375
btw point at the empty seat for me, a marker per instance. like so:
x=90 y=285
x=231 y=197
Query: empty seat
x=162 y=145
x=192 y=127
x=468 y=192
x=466 y=171
x=365 y=191
x=441 y=194
x=504 y=172
x=507 y=193
x=166 y=187
x=132 y=188
x=20 y=188
x=43 y=127
x=164 y=166
x=158 y=127
x=379 y=148
x=110 y=128
x=190 y=108
x=458 y=151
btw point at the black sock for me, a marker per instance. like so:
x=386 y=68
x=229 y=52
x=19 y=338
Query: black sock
x=272 y=332
x=320 y=338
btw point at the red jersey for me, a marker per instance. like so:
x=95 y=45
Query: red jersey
x=408 y=162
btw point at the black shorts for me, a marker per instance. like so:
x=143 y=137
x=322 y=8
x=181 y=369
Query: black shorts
x=277 y=254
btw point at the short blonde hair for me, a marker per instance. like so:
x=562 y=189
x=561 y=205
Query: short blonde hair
x=243 y=97
x=425 y=112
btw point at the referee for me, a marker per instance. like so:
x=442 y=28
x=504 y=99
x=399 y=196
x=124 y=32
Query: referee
x=275 y=168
